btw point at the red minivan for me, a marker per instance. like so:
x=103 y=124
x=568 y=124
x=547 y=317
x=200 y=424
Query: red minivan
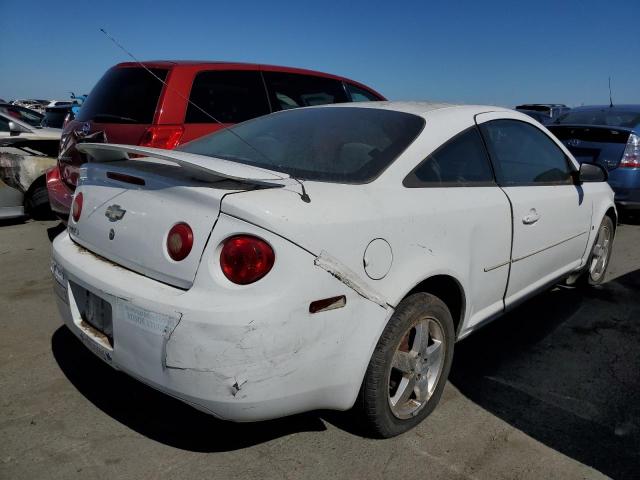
x=148 y=106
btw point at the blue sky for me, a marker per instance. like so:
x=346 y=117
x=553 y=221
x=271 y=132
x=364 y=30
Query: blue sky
x=496 y=52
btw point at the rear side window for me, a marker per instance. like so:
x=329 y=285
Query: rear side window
x=124 y=95
x=228 y=96
x=360 y=94
x=4 y=124
x=524 y=155
x=291 y=90
x=462 y=161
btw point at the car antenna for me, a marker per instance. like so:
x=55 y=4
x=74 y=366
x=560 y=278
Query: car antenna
x=305 y=198
x=610 y=97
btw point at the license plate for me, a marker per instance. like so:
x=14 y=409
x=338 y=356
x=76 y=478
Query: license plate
x=95 y=313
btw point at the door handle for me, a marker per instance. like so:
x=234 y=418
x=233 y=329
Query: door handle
x=531 y=218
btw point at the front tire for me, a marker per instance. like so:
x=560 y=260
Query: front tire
x=409 y=367
x=600 y=254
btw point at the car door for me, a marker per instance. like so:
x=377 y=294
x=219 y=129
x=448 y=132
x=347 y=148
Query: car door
x=457 y=178
x=551 y=215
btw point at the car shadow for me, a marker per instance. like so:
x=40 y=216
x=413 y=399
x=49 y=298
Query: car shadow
x=564 y=368
x=629 y=218
x=158 y=416
x=53 y=232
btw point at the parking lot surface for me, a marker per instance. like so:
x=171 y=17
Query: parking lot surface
x=552 y=390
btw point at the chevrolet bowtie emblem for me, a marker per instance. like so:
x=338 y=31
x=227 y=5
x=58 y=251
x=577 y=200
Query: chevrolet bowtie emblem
x=114 y=213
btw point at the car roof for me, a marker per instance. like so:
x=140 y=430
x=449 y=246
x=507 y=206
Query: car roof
x=624 y=108
x=419 y=108
x=215 y=64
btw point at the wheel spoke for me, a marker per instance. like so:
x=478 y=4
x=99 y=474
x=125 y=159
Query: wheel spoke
x=421 y=339
x=403 y=361
x=421 y=388
x=434 y=350
x=404 y=391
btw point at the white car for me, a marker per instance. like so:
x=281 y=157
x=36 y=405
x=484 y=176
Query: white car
x=26 y=152
x=311 y=257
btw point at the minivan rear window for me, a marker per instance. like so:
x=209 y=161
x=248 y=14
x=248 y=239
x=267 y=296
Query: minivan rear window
x=331 y=144
x=124 y=95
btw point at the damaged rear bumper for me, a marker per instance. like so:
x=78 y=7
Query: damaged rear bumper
x=263 y=358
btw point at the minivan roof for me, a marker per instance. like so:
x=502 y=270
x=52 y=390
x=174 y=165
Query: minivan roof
x=215 y=64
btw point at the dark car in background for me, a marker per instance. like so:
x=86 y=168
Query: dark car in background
x=164 y=104
x=543 y=112
x=54 y=117
x=608 y=136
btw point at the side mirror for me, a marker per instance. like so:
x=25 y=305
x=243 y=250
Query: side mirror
x=590 y=172
x=15 y=129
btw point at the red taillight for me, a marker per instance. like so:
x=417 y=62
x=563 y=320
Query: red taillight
x=53 y=175
x=76 y=209
x=179 y=241
x=245 y=259
x=631 y=155
x=162 y=136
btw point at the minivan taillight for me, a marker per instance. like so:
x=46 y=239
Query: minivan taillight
x=162 y=136
x=76 y=209
x=179 y=241
x=245 y=259
x=631 y=155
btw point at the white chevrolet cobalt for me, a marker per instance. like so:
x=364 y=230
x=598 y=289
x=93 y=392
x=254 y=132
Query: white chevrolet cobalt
x=319 y=257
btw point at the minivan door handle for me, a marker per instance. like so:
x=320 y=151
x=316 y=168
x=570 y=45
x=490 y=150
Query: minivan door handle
x=531 y=218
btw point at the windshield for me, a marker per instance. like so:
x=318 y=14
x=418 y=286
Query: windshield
x=342 y=145
x=606 y=116
x=124 y=95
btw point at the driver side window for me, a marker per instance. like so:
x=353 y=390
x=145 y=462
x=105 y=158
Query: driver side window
x=524 y=155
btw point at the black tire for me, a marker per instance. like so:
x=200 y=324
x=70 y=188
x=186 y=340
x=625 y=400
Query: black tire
x=588 y=277
x=37 y=204
x=377 y=385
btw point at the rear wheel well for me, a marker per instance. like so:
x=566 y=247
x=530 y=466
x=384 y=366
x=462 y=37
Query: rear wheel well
x=447 y=289
x=611 y=213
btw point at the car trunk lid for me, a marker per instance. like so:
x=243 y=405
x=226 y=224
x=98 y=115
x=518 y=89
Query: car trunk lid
x=603 y=145
x=130 y=206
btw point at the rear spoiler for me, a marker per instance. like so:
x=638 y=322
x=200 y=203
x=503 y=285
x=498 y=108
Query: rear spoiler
x=111 y=152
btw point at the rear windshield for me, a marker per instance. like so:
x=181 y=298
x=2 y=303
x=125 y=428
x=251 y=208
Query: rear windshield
x=342 y=145
x=124 y=95
x=605 y=116
x=54 y=118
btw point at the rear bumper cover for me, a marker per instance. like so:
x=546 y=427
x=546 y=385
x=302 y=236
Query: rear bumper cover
x=262 y=359
x=60 y=195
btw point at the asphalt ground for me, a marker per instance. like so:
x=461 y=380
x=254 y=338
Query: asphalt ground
x=552 y=390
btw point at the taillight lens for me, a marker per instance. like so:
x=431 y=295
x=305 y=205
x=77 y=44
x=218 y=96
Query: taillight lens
x=162 y=136
x=179 y=241
x=631 y=155
x=246 y=259
x=76 y=209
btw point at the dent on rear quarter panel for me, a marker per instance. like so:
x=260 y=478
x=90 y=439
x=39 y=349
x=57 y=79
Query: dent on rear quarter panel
x=260 y=341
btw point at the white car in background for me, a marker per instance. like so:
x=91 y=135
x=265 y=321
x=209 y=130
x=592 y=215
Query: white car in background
x=26 y=152
x=311 y=257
